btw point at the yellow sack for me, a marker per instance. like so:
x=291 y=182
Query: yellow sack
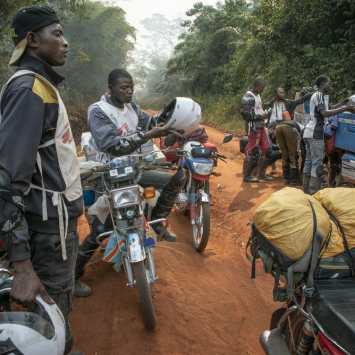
x=341 y=203
x=286 y=220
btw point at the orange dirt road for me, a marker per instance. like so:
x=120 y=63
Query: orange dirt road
x=207 y=304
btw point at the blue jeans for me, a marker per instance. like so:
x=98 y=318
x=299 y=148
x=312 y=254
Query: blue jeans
x=314 y=157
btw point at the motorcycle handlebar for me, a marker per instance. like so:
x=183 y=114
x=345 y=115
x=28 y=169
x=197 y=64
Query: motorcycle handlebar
x=220 y=155
x=168 y=163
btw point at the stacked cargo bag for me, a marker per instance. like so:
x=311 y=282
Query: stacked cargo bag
x=289 y=232
x=199 y=135
x=338 y=260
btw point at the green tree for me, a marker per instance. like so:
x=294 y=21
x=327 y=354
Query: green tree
x=96 y=46
x=64 y=8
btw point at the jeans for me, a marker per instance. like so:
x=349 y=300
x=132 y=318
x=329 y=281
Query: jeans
x=314 y=157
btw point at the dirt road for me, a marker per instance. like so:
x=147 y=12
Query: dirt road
x=207 y=303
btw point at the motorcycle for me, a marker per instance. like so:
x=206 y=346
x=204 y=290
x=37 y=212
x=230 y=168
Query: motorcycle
x=122 y=199
x=316 y=320
x=316 y=323
x=198 y=162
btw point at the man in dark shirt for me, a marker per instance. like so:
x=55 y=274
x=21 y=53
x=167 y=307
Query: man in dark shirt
x=278 y=104
x=38 y=161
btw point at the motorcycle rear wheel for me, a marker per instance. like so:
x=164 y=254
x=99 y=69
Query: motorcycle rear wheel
x=201 y=229
x=297 y=322
x=144 y=295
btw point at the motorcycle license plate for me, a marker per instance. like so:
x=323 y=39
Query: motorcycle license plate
x=135 y=247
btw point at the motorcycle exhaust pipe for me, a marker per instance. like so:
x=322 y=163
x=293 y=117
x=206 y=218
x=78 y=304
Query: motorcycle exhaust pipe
x=273 y=342
x=128 y=269
x=151 y=267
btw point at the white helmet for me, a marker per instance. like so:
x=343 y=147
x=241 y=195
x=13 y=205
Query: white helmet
x=352 y=99
x=182 y=114
x=41 y=332
x=190 y=145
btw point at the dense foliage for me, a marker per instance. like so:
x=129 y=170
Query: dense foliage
x=64 y=8
x=96 y=46
x=288 y=42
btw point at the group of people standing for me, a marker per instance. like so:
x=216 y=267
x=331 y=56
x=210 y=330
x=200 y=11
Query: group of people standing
x=290 y=135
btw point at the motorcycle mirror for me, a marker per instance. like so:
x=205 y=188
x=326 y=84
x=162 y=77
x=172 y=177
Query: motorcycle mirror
x=227 y=138
x=170 y=140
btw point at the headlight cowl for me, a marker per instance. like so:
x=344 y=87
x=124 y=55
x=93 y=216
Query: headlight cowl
x=203 y=168
x=126 y=197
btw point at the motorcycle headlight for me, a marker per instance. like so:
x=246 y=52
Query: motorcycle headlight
x=126 y=197
x=202 y=168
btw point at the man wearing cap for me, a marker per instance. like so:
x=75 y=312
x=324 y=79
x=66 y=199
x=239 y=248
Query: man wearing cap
x=39 y=170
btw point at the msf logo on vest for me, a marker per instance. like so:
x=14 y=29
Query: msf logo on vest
x=67 y=136
x=122 y=132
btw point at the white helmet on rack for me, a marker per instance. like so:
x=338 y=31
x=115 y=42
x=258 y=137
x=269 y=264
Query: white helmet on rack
x=41 y=332
x=191 y=145
x=182 y=114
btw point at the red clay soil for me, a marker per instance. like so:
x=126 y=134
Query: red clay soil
x=207 y=303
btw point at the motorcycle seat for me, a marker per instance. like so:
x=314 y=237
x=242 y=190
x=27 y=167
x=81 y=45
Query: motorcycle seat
x=201 y=152
x=334 y=310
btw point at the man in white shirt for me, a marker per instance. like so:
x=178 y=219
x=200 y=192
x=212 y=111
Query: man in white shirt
x=114 y=123
x=314 y=134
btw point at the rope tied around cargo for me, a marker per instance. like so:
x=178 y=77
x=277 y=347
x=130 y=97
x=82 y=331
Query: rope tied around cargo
x=349 y=258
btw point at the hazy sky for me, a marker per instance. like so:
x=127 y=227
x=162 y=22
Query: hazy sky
x=138 y=10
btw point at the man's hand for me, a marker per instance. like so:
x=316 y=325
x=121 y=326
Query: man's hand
x=345 y=101
x=26 y=285
x=350 y=108
x=158 y=132
x=264 y=116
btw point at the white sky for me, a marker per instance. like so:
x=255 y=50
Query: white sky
x=138 y=10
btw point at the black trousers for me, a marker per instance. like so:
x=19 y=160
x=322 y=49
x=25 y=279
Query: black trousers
x=56 y=274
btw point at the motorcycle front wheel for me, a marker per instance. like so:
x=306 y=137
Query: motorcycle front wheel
x=201 y=228
x=144 y=295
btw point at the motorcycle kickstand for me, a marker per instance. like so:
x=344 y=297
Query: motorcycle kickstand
x=154 y=294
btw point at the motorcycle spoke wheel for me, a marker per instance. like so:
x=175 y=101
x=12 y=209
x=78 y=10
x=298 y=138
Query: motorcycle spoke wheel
x=144 y=294
x=201 y=228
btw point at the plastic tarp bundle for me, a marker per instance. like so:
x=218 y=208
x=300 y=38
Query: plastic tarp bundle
x=341 y=203
x=286 y=220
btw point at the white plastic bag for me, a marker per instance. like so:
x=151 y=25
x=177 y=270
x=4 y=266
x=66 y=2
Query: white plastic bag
x=100 y=208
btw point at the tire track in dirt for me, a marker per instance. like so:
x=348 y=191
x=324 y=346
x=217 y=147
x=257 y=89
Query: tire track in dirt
x=207 y=303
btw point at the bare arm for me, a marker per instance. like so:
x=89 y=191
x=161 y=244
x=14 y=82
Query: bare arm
x=328 y=113
x=341 y=103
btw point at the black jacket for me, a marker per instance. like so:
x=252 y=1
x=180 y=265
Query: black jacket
x=29 y=118
x=290 y=104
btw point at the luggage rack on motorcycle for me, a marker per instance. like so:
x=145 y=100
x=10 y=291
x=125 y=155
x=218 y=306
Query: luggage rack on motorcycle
x=107 y=234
